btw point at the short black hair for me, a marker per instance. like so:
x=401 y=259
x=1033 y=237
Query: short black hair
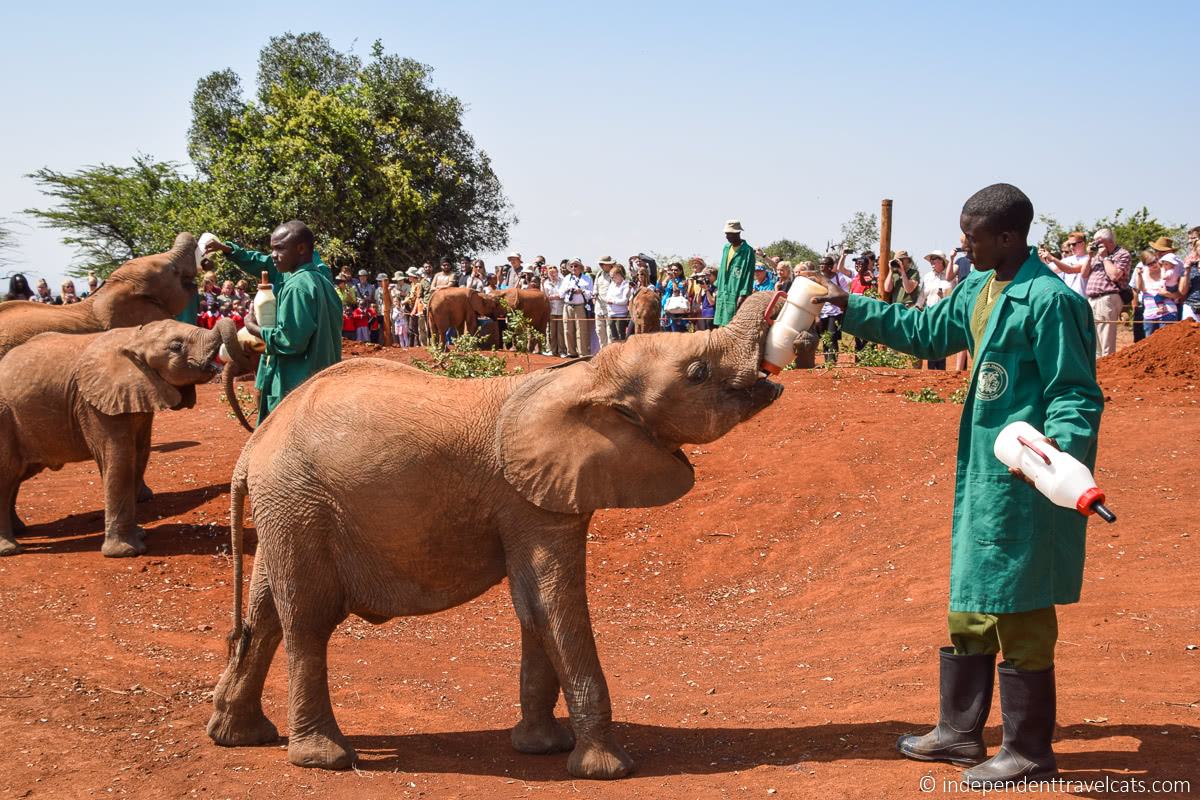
x=1002 y=207
x=302 y=232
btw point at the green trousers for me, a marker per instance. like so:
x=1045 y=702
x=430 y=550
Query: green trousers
x=1026 y=639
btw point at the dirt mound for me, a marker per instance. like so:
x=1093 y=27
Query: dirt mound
x=1173 y=352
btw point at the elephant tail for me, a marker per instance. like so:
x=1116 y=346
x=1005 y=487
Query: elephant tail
x=239 y=638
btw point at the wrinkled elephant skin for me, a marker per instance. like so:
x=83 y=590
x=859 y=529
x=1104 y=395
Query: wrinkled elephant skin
x=486 y=496
x=71 y=397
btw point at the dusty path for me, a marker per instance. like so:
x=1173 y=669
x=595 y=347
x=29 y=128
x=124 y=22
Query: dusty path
x=774 y=630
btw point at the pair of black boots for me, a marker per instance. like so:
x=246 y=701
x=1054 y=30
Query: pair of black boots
x=1027 y=705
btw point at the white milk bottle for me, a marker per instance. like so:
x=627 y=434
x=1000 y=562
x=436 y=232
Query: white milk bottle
x=1057 y=475
x=797 y=316
x=264 y=304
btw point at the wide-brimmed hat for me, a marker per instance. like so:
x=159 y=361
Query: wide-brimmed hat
x=512 y=255
x=363 y=272
x=398 y=275
x=1163 y=244
x=734 y=226
x=902 y=254
x=526 y=269
x=413 y=272
x=932 y=254
x=606 y=261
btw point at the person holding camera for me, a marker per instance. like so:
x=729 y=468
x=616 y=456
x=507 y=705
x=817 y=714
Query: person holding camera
x=1108 y=270
x=903 y=281
x=830 y=319
x=576 y=291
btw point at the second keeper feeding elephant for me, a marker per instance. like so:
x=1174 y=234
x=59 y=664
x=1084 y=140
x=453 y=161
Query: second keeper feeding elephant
x=307 y=334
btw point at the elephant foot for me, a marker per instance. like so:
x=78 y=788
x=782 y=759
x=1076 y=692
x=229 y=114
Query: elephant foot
x=321 y=751
x=544 y=736
x=241 y=730
x=599 y=761
x=124 y=546
x=9 y=546
x=144 y=493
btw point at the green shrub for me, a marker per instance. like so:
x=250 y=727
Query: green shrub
x=463 y=360
x=924 y=395
x=246 y=400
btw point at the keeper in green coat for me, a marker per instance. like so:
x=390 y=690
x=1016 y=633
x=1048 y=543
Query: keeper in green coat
x=735 y=274
x=307 y=334
x=1014 y=554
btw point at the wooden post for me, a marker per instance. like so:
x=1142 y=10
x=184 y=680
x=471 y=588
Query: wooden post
x=885 y=245
x=385 y=287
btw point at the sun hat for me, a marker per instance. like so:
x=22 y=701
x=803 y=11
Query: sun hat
x=512 y=255
x=1163 y=244
x=932 y=254
x=606 y=260
x=734 y=226
x=398 y=275
x=902 y=254
x=363 y=273
x=413 y=272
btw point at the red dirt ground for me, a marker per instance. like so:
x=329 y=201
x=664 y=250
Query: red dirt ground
x=770 y=634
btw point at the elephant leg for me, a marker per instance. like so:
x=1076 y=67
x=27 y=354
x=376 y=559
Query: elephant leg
x=8 y=526
x=309 y=618
x=238 y=719
x=118 y=469
x=548 y=586
x=144 y=492
x=538 y=731
x=18 y=526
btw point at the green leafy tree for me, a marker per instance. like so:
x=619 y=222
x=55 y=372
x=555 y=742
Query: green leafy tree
x=6 y=242
x=371 y=155
x=1135 y=231
x=791 y=250
x=861 y=231
x=111 y=214
x=1055 y=233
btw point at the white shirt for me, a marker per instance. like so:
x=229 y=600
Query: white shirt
x=551 y=290
x=842 y=282
x=1075 y=280
x=617 y=298
x=575 y=291
x=600 y=287
x=933 y=290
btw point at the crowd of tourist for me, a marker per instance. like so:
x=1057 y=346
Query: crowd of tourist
x=591 y=305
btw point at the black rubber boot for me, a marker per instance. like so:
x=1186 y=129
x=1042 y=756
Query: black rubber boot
x=965 y=691
x=1027 y=704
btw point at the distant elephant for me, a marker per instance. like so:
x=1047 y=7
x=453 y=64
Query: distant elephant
x=139 y=291
x=458 y=308
x=533 y=303
x=487 y=496
x=70 y=397
x=646 y=311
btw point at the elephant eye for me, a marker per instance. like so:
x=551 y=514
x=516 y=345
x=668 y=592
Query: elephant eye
x=697 y=371
x=175 y=346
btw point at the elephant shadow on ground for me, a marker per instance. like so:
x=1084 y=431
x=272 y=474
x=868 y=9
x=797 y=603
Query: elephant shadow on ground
x=85 y=531
x=1162 y=751
x=170 y=447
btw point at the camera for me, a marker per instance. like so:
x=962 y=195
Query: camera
x=1093 y=247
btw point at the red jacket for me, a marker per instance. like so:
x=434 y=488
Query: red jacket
x=360 y=318
x=347 y=321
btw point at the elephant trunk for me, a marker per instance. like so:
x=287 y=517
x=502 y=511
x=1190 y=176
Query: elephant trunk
x=239 y=364
x=742 y=339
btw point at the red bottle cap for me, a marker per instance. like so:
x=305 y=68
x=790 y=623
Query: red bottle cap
x=1088 y=499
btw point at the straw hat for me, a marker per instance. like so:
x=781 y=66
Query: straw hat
x=932 y=254
x=1163 y=244
x=734 y=226
x=413 y=272
x=398 y=275
x=903 y=254
x=606 y=260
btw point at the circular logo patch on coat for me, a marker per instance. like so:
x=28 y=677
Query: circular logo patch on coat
x=993 y=380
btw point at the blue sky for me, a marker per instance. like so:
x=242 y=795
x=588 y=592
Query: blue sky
x=620 y=127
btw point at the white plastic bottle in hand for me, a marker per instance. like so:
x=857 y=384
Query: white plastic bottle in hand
x=797 y=316
x=1057 y=475
x=264 y=304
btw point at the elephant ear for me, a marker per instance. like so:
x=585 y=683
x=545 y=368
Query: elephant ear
x=569 y=448
x=113 y=377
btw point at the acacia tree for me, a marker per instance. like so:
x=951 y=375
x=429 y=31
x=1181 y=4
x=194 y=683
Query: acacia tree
x=6 y=241
x=371 y=155
x=861 y=231
x=111 y=214
x=793 y=251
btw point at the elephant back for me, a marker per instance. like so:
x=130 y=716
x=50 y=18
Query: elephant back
x=40 y=371
x=21 y=320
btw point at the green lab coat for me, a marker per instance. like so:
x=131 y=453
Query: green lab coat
x=1011 y=549
x=734 y=281
x=307 y=335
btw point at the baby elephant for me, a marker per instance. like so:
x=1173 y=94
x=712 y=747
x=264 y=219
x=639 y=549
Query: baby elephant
x=73 y=397
x=503 y=486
